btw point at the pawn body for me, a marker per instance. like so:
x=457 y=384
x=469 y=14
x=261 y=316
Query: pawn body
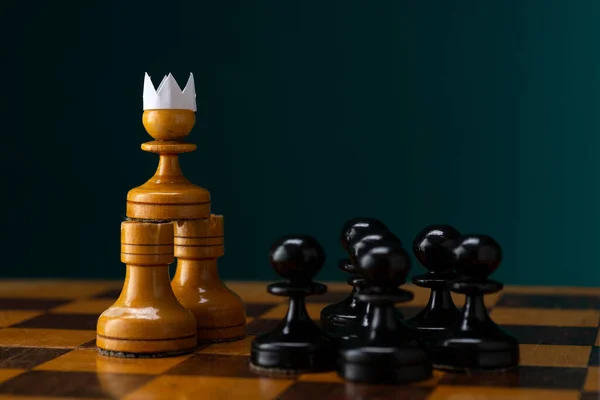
x=219 y=312
x=297 y=344
x=146 y=320
x=475 y=342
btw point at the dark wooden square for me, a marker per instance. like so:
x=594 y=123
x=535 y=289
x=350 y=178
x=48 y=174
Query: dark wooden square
x=553 y=335
x=111 y=294
x=73 y=384
x=582 y=302
x=60 y=321
x=257 y=309
x=526 y=377
x=27 y=357
x=259 y=326
x=30 y=304
x=214 y=365
x=595 y=357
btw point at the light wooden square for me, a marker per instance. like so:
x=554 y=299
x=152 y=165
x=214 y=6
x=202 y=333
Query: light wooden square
x=201 y=387
x=91 y=306
x=592 y=380
x=88 y=360
x=239 y=347
x=554 y=356
x=500 y=393
x=545 y=317
x=11 y=317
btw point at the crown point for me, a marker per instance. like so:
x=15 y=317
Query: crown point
x=168 y=95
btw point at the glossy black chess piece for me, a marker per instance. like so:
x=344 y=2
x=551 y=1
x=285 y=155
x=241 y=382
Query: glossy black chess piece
x=432 y=248
x=381 y=353
x=475 y=343
x=338 y=316
x=297 y=344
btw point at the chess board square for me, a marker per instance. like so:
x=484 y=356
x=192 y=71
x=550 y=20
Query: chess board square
x=86 y=306
x=523 y=377
x=260 y=326
x=109 y=294
x=75 y=384
x=27 y=357
x=52 y=289
x=544 y=317
x=214 y=365
x=499 y=393
x=554 y=356
x=341 y=391
x=44 y=338
x=30 y=304
x=254 y=292
x=329 y=297
x=238 y=347
x=598 y=338
x=551 y=301
x=594 y=356
x=554 y=335
x=255 y=310
x=61 y=321
x=592 y=381
x=8 y=373
x=584 y=396
x=169 y=387
x=88 y=360
x=8 y=318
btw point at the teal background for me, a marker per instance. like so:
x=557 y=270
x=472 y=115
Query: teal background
x=479 y=114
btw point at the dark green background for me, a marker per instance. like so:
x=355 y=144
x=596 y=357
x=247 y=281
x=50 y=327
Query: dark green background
x=479 y=114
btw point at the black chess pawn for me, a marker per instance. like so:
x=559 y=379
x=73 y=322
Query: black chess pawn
x=432 y=248
x=339 y=315
x=475 y=343
x=381 y=352
x=297 y=344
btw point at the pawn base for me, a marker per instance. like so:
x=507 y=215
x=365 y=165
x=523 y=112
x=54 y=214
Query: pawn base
x=127 y=348
x=384 y=365
x=483 y=355
x=226 y=334
x=291 y=358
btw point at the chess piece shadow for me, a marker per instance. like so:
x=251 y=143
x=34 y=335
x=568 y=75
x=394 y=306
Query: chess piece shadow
x=475 y=342
x=297 y=344
x=382 y=353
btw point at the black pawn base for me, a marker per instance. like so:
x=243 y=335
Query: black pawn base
x=468 y=354
x=291 y=358
x=384 y=365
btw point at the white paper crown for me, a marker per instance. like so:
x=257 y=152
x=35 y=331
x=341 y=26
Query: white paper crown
x=169 y=95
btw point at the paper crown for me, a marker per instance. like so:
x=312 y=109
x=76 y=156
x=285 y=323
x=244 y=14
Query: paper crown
x=169 y=95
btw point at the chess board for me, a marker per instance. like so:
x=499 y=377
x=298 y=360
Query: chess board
x=47 y=350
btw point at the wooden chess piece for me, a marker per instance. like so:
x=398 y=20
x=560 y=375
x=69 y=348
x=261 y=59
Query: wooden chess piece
x=432 y=248
x=475 y=342
x=297 y=344
x=381 y=352
x=219 y=312
x=168 y=195
x=146 y=320
x=339 y=315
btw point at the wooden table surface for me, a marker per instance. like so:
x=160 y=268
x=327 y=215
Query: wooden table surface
x=47 y=350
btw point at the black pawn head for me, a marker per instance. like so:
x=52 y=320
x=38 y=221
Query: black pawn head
x=297 y=258
x=433 y=245
x=476 y=256
x=384 y=264
x=355 y=226
x=366 y=240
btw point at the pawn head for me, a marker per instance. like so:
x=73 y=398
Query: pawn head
x=297 y=257
x=476 y=256
x=368 y=239
x=356 y=226
x=384 y=264
x=433 y=245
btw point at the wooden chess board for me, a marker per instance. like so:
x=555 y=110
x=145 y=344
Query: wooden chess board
x=47 y=350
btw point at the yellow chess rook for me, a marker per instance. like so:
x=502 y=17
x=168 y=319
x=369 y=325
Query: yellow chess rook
x=219 y=312
x=146 y=319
